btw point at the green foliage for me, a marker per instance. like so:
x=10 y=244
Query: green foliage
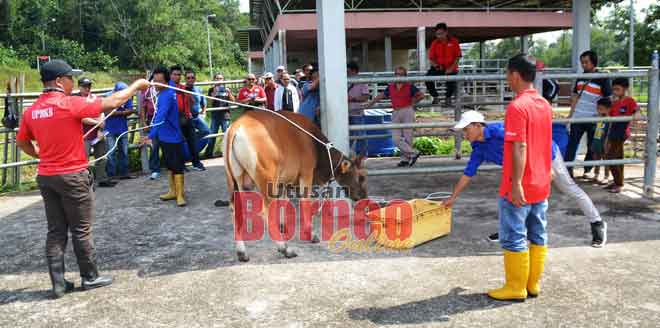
x=438 y=146
x=100 y=35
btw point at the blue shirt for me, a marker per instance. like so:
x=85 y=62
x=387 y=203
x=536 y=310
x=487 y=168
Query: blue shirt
x=491 y=149
x=198 y=101
x=167 y=114
x=118 y=124
x=311 y=101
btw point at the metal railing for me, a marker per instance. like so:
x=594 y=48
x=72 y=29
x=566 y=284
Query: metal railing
x=653 y=117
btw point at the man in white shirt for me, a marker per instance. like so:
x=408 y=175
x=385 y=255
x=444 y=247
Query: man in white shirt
x=286 y=97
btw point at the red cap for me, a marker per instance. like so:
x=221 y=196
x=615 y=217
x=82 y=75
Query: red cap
x=540 y=65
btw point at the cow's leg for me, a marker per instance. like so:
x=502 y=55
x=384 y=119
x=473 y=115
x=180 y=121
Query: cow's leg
x=262 y=183
x=305 y=184
x=244 y=184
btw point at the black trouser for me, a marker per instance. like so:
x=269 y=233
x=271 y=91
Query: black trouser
x=430 y=85
x=188 y=131
x=615 y=151
x=69 y=202
x=173 y=156
x=577 y=131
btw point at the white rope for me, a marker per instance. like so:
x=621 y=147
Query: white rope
x=328 y=145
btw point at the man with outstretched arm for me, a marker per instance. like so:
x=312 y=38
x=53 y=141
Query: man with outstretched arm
x=54 y=121
x=487 y=142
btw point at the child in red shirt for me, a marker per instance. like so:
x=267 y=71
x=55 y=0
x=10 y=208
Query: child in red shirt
x=619 y=131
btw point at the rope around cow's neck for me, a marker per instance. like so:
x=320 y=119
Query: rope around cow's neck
x=328 y=145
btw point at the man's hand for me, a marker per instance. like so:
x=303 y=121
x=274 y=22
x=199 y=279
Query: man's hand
x=518 y=195
x=142 y=84
x=449 y=202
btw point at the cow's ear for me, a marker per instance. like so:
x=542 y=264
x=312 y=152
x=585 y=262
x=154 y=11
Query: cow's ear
x=345 y=166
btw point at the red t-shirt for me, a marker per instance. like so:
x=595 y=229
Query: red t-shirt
x=270 y=97
x=54 y=121
x=445 y=52
x=256 y=92
x=183 y=101
x=624 y=107
x=528 y=119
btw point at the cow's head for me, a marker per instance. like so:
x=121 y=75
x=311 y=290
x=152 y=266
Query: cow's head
x=352 y=175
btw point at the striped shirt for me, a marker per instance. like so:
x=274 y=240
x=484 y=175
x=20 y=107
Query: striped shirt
x=593 y=91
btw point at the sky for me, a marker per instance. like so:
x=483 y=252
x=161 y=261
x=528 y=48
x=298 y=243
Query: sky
x=549 y=36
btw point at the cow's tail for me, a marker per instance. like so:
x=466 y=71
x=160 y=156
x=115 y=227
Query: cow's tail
x=227 y=146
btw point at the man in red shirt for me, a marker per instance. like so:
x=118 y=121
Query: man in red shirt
x=270 y=89
x=54 y=121
x=404 y=96
x=444 y=54
x=525 y=185
x=251 y=93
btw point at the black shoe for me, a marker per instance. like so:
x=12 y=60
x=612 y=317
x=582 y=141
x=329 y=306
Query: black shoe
x=599 y=233
x=494 y=237
x=221 y=203
x=107 y=184
x=402 y=164
x=56 y=272
x=199 y=167
x=99 y=281
x=448 y=102
x=126 y=177
x=436 y=101
x=413 y=160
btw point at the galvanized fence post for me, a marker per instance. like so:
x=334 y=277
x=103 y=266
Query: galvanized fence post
x=458 y=108
x=652 y=128
x=144 y=159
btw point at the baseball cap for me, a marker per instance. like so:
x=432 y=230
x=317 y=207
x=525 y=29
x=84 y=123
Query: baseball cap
x=471 y=116
x=268 y=75
x=56 y=68
x=280 y=68
x=540 y=65
x=85 y=82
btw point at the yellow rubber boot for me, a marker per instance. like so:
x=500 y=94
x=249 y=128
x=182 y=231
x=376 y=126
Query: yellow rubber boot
x=178 y=182
x=516 y=272
x=537 y=254
x=171 y=195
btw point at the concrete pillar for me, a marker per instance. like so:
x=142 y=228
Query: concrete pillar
x=277 y=61
x=581 y=31
x=524 y=44
x=332 y=64
x=421 y=48
x=281 y=36
x=365 y=55
x=249 y=62
x=388 y=54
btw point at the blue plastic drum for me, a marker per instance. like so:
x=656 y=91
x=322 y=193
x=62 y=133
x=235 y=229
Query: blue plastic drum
x=373 y=147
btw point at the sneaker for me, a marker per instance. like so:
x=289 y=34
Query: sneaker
x=610 y=186
x=616 y=189
x=154 y=175
x=107 y=184
x=588 y=176
x=436 y=101
x=413 y=160
x=599 y=233
x=494 y=237
x=402 y=164
x=221 y=203
x=126 y=177
x=198 y=168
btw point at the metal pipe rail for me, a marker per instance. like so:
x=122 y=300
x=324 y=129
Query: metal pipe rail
x=460 y=168
x=493 y=77
x=371 y=127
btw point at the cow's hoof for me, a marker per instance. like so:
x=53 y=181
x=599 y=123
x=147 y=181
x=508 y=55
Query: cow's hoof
x=287 y=252
x=315 y=239
x=242 y=256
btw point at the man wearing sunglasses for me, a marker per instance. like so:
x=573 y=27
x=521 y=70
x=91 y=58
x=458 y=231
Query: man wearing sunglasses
x=251 y=93
x=54 y=122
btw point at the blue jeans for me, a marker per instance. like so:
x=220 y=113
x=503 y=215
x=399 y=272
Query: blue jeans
x=201 y=131
x=577 y=130
x=519 y=224
x=154 y=156
x=117 y=166
x=219 y=119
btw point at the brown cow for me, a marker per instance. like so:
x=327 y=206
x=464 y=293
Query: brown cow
x=262 y=148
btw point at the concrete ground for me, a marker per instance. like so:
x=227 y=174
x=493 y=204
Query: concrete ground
x=176 y=267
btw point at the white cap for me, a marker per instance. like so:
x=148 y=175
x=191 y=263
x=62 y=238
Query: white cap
x=471 y=116
x=267 y=75
x=280 y=68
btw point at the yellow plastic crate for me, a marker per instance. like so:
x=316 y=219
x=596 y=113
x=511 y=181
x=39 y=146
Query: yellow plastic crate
x=430 y=220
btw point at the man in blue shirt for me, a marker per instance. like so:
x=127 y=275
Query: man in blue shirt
x=198 y=110
x=488 y=146
x=167 y=129
x=116 y=124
